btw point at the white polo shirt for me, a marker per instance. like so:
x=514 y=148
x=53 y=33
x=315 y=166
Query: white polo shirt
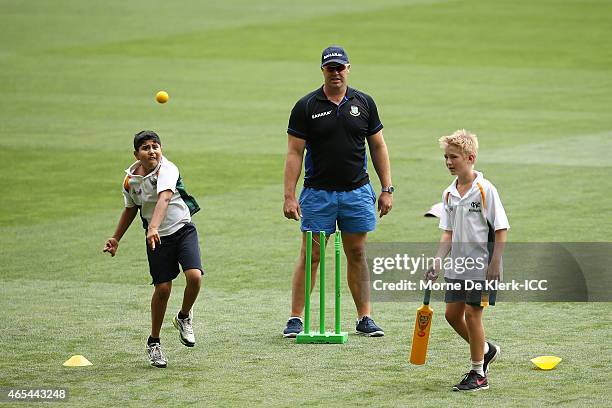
x=473 y=219
x=143 y=192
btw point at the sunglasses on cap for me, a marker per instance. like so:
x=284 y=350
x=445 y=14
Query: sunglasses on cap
x=334 y=68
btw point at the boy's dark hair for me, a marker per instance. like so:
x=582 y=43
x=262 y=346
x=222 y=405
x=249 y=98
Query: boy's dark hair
x=143 y=136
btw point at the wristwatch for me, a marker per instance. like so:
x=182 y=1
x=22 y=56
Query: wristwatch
x=389 y=189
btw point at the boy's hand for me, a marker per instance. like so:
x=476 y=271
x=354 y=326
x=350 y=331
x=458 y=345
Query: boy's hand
x=431 y=274
x=111 y=246
x=153 y=237
x=493 y=271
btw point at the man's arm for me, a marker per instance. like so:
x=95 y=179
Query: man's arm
x=293 y=168
x=127 y=216
x=159 y=213
x=380 y=158
x=493 y=270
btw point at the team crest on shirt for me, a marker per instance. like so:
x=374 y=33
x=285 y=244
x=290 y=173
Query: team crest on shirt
x=355 y=110
x=475 y=207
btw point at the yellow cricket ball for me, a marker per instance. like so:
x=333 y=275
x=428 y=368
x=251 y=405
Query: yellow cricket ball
x=162 y=97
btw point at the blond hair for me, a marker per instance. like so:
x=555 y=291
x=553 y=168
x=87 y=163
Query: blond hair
x=466 y=142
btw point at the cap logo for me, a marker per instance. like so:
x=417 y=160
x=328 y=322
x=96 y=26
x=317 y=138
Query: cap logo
x=333 y=54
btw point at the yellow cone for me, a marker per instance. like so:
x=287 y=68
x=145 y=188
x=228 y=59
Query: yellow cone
x=546 y=362
x=77 y=361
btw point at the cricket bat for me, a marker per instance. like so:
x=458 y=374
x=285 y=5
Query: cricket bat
x=420 y=338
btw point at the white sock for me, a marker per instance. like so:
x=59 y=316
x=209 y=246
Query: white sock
x=296 y=317
x=486 y=348
x=477 y=366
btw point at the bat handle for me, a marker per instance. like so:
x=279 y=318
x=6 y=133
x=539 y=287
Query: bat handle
x=427 y=296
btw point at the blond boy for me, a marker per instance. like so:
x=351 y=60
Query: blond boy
x=474 y=226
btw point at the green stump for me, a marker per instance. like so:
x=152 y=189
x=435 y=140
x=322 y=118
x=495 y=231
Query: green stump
x=322 y=337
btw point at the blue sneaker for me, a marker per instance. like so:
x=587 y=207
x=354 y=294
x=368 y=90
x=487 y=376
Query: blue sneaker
x=294 y=326
x=367 y=327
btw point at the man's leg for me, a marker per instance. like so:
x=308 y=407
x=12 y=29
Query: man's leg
x=359 y=283
x=299 y=273
x=159 y=301
x=358 y=276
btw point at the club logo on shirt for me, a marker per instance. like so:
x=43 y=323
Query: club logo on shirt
x=474 y=207
x=318 y=115
x=355 y=110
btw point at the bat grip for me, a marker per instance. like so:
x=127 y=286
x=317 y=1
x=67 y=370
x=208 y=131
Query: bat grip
x=427 y=296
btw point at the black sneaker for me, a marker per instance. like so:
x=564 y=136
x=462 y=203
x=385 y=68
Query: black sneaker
x=294 y=326
x=367 y=327
x=491 y=356
x=472 y=382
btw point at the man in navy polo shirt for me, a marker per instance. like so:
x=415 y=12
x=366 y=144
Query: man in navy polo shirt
x=332 y=124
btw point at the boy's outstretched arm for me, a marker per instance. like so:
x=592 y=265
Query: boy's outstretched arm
x=159 y=213
x=443 y=248
x=498 y=250
x=127 y=216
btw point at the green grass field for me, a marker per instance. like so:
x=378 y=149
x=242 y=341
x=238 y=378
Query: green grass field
x=532 y=79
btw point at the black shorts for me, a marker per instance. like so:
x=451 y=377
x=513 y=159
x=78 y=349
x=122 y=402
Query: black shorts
x=179 y=248
x=471 y=297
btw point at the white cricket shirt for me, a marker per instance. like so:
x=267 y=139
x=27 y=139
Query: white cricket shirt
x=143 y=191
x=473 y=219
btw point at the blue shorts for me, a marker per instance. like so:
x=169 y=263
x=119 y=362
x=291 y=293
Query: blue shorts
x=354 y=211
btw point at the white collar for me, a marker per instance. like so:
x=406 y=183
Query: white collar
x=453 y=187
x=130 y=170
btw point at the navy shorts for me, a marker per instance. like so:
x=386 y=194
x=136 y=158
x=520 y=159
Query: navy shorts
x=354 y=211
x=471 y=297
x=179 y=248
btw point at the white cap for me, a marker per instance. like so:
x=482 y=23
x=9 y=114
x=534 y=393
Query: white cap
x=435 y=210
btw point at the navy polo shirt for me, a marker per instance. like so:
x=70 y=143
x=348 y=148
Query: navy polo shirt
x=335 y=138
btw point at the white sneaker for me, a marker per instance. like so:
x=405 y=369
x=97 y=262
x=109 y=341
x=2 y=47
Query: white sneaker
x=185 y=328
x=156 y=355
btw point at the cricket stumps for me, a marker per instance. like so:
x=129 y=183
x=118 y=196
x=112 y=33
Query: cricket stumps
x=322 y=337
